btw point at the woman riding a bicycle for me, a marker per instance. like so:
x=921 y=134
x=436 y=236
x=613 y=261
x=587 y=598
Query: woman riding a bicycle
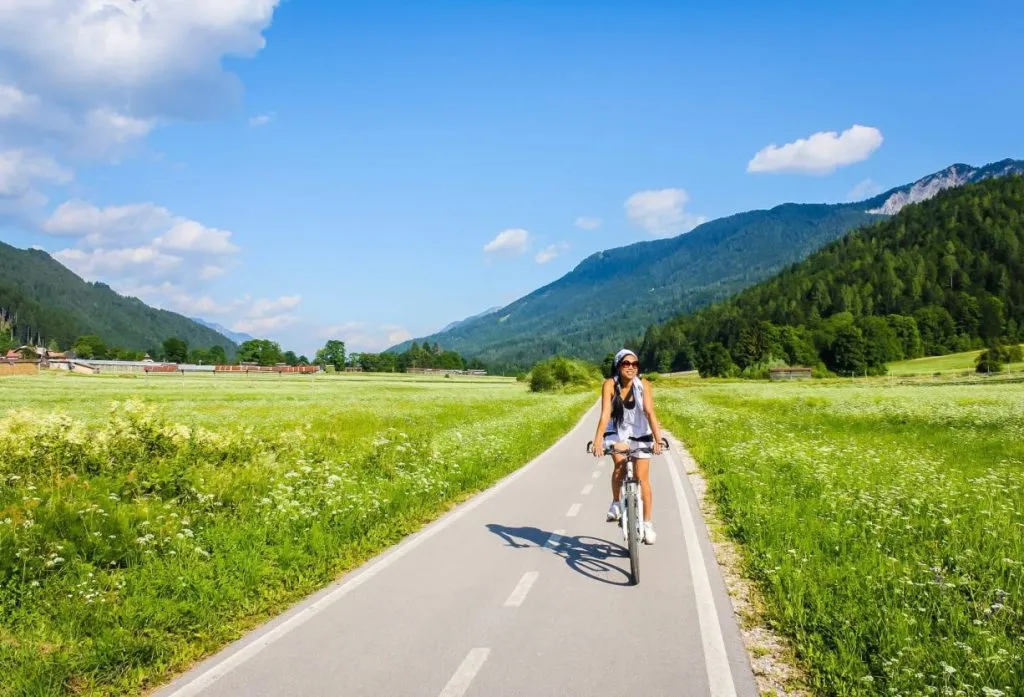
x=628 y=421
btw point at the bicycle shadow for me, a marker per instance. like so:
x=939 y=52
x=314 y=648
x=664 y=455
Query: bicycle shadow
x=583 y=554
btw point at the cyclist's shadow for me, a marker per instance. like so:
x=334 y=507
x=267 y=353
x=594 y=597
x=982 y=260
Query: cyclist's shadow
x=584 y=554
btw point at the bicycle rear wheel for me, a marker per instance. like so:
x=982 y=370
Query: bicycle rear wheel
x=633 y=531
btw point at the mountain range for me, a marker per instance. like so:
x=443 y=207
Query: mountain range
x=237 y=337
x=616 y=294
x=44 y=301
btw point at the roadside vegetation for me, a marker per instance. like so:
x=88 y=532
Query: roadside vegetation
x=884 y=526
x=138 y=535
x=560 y=374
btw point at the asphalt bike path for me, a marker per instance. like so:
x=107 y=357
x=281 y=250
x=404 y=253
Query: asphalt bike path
x=522 y=590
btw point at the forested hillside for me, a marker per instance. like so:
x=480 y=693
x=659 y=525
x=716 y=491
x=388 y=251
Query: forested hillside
x=41 y=299
x=617 y=293
x=941 y=276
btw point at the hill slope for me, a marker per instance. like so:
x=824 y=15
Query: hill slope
x=50 y=302
x=605 y=300
x=892 y=202
x=617 y=293
x=941 y=276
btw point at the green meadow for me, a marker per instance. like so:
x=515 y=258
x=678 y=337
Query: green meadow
x=146 y=522
x=884 y=525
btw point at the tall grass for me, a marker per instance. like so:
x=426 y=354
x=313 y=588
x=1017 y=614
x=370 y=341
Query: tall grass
x=885 y=526
x=135 y=541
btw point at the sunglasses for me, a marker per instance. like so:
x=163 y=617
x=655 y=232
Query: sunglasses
x=630 y=364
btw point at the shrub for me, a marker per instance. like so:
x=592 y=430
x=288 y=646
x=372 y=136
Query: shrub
x=561 y=373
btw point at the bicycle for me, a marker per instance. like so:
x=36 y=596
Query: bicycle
x=631 y=504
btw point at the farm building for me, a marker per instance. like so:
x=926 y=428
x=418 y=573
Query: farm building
x=791 y=373
x=18 y=367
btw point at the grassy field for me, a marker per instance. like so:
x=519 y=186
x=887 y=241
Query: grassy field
x=951 y=363
x=146 y=522
x=885 y=525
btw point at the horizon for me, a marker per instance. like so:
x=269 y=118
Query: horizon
x=451 y=159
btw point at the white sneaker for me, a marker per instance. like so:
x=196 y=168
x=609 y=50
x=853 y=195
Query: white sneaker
x=614 y=511
x=649 y=535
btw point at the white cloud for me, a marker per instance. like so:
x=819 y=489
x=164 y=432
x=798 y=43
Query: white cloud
x=190 y=236
x=130 y=262
x=360 y=337
x=820 y=153
x=660 y=212
x=77 y=218
x=117 y=242
x=211 y=271
x=264 y=307
x=263 y=325
x=16 y=104
x=864 y=190
x=508 y=242
x=585 y=223
x=21 y=171
x=550 y=252
x=261 y=120
x=164 y=57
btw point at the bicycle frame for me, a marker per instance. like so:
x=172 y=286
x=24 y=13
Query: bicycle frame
x=631 y=488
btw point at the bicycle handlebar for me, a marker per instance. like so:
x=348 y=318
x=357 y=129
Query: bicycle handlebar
x=631 y=451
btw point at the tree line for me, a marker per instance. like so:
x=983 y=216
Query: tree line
x=942 y=276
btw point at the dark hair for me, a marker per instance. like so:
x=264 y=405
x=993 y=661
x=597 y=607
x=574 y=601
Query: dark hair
x=617 y=405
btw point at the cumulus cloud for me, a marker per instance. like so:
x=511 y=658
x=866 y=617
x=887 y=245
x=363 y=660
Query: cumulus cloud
x=864 y=190
x=820 y=153
x=190 y=236
x=263 y=325
x=660 y=212
x=136 y=243
x=77 y=218
x=131 y=262
x=265 y=308
x=22 y=171
x=550 y=252
x=508 y=242
x=165 y=58
x=359 y=336
x=585 y=223
x=253 y=316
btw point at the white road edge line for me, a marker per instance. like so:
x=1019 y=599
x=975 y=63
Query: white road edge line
x=715 y=658
x=521 y=589
x=587 y=489
x=573 y=510
x=465 y=673
x=350 y=583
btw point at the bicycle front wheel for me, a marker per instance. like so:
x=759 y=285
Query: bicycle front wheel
x=633 y=532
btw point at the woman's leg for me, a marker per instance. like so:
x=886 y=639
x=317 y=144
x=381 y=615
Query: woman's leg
x=643 y=469
x=618 y=474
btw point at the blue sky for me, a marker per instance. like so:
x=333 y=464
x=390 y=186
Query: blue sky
x=307 y=169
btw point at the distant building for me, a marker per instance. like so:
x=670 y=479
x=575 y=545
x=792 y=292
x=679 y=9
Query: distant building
x=791 y=373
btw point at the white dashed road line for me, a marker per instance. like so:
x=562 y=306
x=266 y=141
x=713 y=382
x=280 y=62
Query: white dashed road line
x=521 y=589
x=553 y=540
x=573 y=510
x=587 y=489
x=596 y=475
x=467 y=670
